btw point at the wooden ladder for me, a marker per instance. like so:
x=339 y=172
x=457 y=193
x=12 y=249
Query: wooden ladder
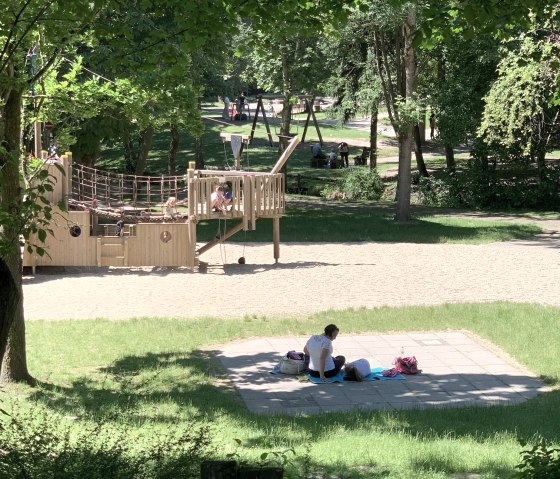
x=112 y=251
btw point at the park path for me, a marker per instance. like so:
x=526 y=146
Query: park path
x=310 y=277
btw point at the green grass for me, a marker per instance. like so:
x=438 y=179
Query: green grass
x=341 y=223
x=152 y=374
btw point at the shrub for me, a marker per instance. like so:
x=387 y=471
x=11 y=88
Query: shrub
x=356 y=184
x=40 y=446
x=541 y=461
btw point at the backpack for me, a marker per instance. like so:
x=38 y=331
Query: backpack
x=407 y=365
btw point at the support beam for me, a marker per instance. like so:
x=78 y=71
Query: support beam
x=238 y=227
x=276 y=237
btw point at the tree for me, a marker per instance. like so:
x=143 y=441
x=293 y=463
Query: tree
x=393 y=36
x=353 y=81
x=522 y=108
x=57 y=28
x=284 y=53
x=460 y=74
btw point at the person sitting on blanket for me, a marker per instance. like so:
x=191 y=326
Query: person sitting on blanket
x=357 y=370
x=319 y=349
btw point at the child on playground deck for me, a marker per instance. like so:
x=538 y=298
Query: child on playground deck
x=218 y=199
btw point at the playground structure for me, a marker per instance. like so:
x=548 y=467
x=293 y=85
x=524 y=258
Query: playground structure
x=305 y=103
x=158 y=216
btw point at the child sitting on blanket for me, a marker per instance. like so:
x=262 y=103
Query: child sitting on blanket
x=357 y=370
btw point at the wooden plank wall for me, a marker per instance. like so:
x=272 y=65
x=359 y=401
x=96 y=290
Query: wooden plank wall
x=62 y=248
x=147 y=248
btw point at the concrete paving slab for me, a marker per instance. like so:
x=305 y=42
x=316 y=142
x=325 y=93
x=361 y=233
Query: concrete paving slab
x=458 y=370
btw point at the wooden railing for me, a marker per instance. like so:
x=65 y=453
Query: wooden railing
x=254 y=195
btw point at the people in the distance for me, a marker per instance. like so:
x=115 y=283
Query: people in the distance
x=119 y=227
x=319 y=349
x=225 y=113
x=317 y=151
x=343 y=150
x=357 y=370
x=170 y=208
x=331 y=159
x=218 y=199
x=241 y=102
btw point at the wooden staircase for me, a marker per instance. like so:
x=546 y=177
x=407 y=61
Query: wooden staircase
x=112 y=251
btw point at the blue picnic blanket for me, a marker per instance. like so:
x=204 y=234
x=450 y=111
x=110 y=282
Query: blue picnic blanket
x=375 y=374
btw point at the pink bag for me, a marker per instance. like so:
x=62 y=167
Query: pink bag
x=407 y=365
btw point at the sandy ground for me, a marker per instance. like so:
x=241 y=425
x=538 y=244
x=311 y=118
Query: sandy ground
x=308 y=278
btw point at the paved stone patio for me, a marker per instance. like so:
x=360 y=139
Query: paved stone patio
x=458 y=370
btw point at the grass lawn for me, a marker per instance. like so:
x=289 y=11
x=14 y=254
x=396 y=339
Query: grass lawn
x=153 y=375
x=318 y=221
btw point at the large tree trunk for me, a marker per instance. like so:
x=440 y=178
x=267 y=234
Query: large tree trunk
x=9 y=300
x=373 y=137
x=173 y=147
x=198 y=158
x=450 y=158
x=420 y=164
x=405 y=132
x=14 y=364
x=145 y=145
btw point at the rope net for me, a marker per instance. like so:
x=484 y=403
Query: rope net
x=117 y=195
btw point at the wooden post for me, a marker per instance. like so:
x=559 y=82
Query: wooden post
x=276 y=237
x=68 y=172
x=98 y=242
x=38 y=139
x=191 y=253
x=125 y=261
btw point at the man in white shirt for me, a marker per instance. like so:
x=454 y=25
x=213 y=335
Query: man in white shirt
x=319 y=349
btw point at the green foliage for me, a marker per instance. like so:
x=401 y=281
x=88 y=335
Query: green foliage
x=513 y=184
x=519 y=114
x=356 y=184
x=541 y=461
x=159 y=374
x=280 y=458
x=435 y=191
x=31 y=215
x=40 y=445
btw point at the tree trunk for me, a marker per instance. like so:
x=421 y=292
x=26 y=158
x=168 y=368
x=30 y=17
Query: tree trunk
x=405 y=132
x=9 y=300
x=145 y=145
x=173 y=147
x=14 y=364
x=403 y=182
x=286 y=120
x=420 y=164
x=373 y=137
x=449 y=158
x=198 y=158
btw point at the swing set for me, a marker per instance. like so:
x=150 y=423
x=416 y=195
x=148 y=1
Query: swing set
x=308 y=101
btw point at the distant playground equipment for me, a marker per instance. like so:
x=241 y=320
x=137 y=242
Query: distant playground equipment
x=238 y=144
x=156 y=217
x=305 y=103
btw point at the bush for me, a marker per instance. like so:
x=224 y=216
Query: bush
x=39 y=446
x=434 y=191
x=541 y=461
x=356 y=184
x=510 y=185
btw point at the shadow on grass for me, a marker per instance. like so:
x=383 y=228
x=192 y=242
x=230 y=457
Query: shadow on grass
x=355 y=224
x=153 y=387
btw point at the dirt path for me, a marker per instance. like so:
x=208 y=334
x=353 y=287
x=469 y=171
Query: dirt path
x=309 y=278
